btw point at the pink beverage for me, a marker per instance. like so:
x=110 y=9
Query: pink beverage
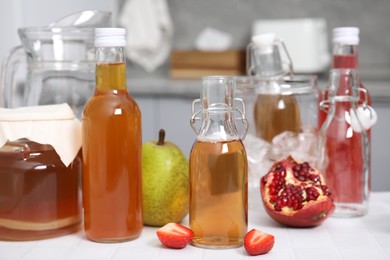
x=345 y=173
x=347 y=145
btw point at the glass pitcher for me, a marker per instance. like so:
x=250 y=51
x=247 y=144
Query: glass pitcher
x=54 y=64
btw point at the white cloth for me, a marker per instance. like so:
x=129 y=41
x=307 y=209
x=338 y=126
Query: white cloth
x=52 y=124
x=149 y=32
x=210 y=39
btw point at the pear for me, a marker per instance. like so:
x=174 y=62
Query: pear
x=165 y=182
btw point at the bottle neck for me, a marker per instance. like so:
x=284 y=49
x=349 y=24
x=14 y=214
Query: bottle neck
x=218 y=126
x=110 y=68
x=345 y=56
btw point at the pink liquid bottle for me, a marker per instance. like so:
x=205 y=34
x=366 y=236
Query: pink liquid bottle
x=346 y=119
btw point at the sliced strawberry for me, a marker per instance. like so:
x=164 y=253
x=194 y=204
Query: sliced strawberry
x=174 y=235
x=258 y=243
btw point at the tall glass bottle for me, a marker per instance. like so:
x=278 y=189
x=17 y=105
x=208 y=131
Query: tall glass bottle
x=347 y=144
x=345 y=165
x=111 y=147
x=218 y=169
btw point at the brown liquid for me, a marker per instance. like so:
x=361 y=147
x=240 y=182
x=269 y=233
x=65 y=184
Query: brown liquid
x=219 y=200
x=39 y=196
x=275 y=114
x=112 y=159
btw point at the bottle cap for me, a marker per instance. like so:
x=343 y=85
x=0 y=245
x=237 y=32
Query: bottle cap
x=346 y=35
x=264 y=42
x=105 y=37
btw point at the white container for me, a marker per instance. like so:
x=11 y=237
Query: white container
x=305 y=38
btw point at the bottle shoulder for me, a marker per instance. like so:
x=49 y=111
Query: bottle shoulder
x=112 y=103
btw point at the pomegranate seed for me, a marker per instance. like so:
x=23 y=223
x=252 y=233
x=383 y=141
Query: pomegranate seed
x=311 y=193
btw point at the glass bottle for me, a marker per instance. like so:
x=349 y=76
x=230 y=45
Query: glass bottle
x=218 y=169
x=111 y=147
x=347 y=144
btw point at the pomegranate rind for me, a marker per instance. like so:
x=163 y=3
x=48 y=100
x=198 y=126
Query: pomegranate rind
x=312 y=214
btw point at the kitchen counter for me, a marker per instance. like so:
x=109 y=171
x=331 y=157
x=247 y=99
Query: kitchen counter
x=379 y=90
x=363 y=238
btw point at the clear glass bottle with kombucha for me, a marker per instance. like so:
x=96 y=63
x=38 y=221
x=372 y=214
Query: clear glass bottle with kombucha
x=218 y=169
x=111 y=147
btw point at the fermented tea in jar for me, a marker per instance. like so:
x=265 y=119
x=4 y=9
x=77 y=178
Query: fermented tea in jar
x=282 y=110
x=40 y=172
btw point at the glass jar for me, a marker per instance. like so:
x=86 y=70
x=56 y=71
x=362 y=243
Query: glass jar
x=283 y=116
x=218 y=168
x=40 y=193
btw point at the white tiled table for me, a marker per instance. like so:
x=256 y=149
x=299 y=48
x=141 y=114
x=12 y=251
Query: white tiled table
x=358 y=238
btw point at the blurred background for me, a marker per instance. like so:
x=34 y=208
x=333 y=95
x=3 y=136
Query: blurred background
x=165 y=101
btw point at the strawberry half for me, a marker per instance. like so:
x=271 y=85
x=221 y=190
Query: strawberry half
x=174 y=235
x=258 y=243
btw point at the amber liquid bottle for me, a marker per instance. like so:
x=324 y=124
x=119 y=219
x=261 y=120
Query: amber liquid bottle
x=218 y=172
x=111 y=146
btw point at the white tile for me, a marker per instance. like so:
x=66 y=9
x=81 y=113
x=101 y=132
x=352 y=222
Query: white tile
x=379 y=229
x=378 y=208
x=41 y=253
x=134 y=253
x=64 y=241
x=363 y=240
x=309 y=238
x=378 y=224
x=376 y=219
x=315 y=253
x=387 y=251
x=383 y=239
x=272 y=255
x=361 y=253
x=188 y=253
x=84 y=242
x=10 y=253
x=18 y=244
x=344 y=226
x=281 y=241
x=100 y=251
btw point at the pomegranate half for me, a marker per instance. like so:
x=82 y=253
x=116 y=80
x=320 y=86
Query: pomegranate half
x=294 y=194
